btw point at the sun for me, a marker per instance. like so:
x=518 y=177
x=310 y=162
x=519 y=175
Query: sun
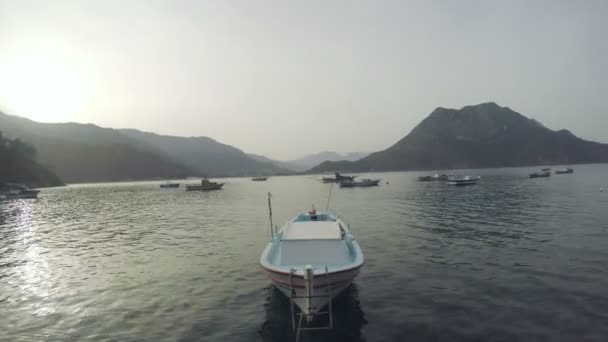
x=42 y=85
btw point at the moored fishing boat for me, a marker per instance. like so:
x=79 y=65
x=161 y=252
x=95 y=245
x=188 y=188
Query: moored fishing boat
x=463 y=180
x=337 y=178
x=259 y=179
x=312 y=259
x=360 y=184
x=564 y=171
x=205 y=185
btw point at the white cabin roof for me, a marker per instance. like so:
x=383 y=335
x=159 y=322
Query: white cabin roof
x=312 y=230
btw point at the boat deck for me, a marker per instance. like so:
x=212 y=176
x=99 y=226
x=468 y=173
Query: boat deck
x=316 y=239
x=311 y=230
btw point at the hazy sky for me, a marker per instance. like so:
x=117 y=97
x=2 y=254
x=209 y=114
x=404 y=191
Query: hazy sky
x=286 y=78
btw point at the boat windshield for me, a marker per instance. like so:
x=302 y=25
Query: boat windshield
x=305 y=217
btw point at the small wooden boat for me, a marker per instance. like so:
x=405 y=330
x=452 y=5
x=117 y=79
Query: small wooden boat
x=564 y=171
x=259 y=179
x=337 y=178
x=542 y=174
x=463 y=180
x=312 y=259
x=205 y=185
x=359 y=184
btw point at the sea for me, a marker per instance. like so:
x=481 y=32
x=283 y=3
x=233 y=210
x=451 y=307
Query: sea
x=508 y=259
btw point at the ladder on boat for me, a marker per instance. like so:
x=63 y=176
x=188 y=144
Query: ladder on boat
x=309 y=286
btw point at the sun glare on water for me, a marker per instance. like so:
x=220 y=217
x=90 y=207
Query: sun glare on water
x=41 y=86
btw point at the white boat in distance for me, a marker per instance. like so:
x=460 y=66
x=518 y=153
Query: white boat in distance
x=463 y=180
x=312 y=259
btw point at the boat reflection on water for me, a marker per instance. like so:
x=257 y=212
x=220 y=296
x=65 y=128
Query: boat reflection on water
x=348 y=319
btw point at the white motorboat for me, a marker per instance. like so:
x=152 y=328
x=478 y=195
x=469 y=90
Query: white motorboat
x=312 y=259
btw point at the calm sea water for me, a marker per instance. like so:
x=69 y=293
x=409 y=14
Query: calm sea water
x=509 y=259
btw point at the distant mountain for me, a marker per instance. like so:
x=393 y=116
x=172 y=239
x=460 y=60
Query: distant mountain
x=305 y=163
x=485 y=135
x=280 y=164
x=261 y=158
x=205 y=155
x=18 y=165
x=311 y=160
x=88 y=153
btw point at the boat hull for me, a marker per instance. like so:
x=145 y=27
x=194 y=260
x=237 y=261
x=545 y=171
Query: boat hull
x=203 y=188
x=326 y=286
x=362 y=184
x=462 y=183
x=333 y=180
x=338 y=178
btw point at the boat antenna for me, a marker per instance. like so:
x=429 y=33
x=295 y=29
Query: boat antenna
x=331 y=186
x=270 y=214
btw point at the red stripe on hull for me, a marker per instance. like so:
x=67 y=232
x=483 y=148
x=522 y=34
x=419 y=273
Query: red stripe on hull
x=320 y=279
x=302 y=277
